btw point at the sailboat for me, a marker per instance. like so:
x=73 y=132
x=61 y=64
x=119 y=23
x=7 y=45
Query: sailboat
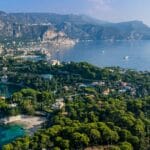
x=103 y=52
x=126 y=58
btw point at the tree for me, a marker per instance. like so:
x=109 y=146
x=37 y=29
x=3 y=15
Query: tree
x=8 y=147
x=114 y=148
x=126 y=146
x=44 y=141
x=27 y=107
x=134 y=140
x=92 y=117
x=124 y=134
x=17 y=97
x=62 y=143
x=80 y=140
x=95 y=136
x=56 y=148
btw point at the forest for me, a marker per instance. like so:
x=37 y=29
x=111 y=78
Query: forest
x=104 y=108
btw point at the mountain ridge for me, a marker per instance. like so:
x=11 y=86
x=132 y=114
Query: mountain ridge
x=82 y=27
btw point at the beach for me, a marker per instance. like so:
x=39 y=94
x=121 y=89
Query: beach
x=30 y=123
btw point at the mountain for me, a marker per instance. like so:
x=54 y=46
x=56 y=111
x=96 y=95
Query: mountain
x=52 y=18
x=34 y=25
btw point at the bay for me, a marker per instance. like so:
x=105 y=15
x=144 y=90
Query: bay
x=8 y=133
x=125 y=54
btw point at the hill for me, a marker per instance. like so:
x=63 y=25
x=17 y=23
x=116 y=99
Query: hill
x=86 y=107
x=34 y=25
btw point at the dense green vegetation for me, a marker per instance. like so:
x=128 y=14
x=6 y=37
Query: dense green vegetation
x=104 y=107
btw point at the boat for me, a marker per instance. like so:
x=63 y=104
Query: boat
x=126 y=58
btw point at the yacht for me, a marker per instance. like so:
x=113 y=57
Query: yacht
x=126 y=58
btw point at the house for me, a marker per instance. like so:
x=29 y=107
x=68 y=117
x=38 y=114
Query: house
x=66 y=88
x=5 y=69
x=94 y=83
x=122 y=91
x=101 y=83
x=55 y=62
x=124 y=83
x=47 y=76
x=13 y=105
x=106 y=92
x=2 y=97
x=59 y=104
x=83 y=85
x=60 y=100
x=70 y=98
x=4 y=79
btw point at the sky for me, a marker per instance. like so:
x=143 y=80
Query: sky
x=108 y=10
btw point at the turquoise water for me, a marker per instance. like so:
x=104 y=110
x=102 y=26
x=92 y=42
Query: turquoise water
x=110 y=54
x=47 y=76
x=9 y=133
x=8 y=90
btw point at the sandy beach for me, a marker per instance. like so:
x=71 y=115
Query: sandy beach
x=29 y=123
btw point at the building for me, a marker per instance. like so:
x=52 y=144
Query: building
x=2 y=97
x=55 y=62
x=101 y=83
x=66 y=88
x=4 y=79
x=5 y=69
x=13 y=105
x=106 y=92
x=59 y=104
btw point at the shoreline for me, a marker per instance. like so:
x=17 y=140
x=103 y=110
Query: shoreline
x=29 y=123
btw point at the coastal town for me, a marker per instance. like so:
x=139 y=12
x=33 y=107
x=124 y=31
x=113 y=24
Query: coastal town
x=72 y=81
x=44 y=88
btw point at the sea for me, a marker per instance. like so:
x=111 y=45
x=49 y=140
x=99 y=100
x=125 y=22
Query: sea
x=126 y=54
x=8 y=133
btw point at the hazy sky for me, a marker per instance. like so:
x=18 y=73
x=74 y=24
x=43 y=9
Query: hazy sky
x=110 y=10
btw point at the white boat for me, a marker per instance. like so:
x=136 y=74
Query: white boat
x=126 y=57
